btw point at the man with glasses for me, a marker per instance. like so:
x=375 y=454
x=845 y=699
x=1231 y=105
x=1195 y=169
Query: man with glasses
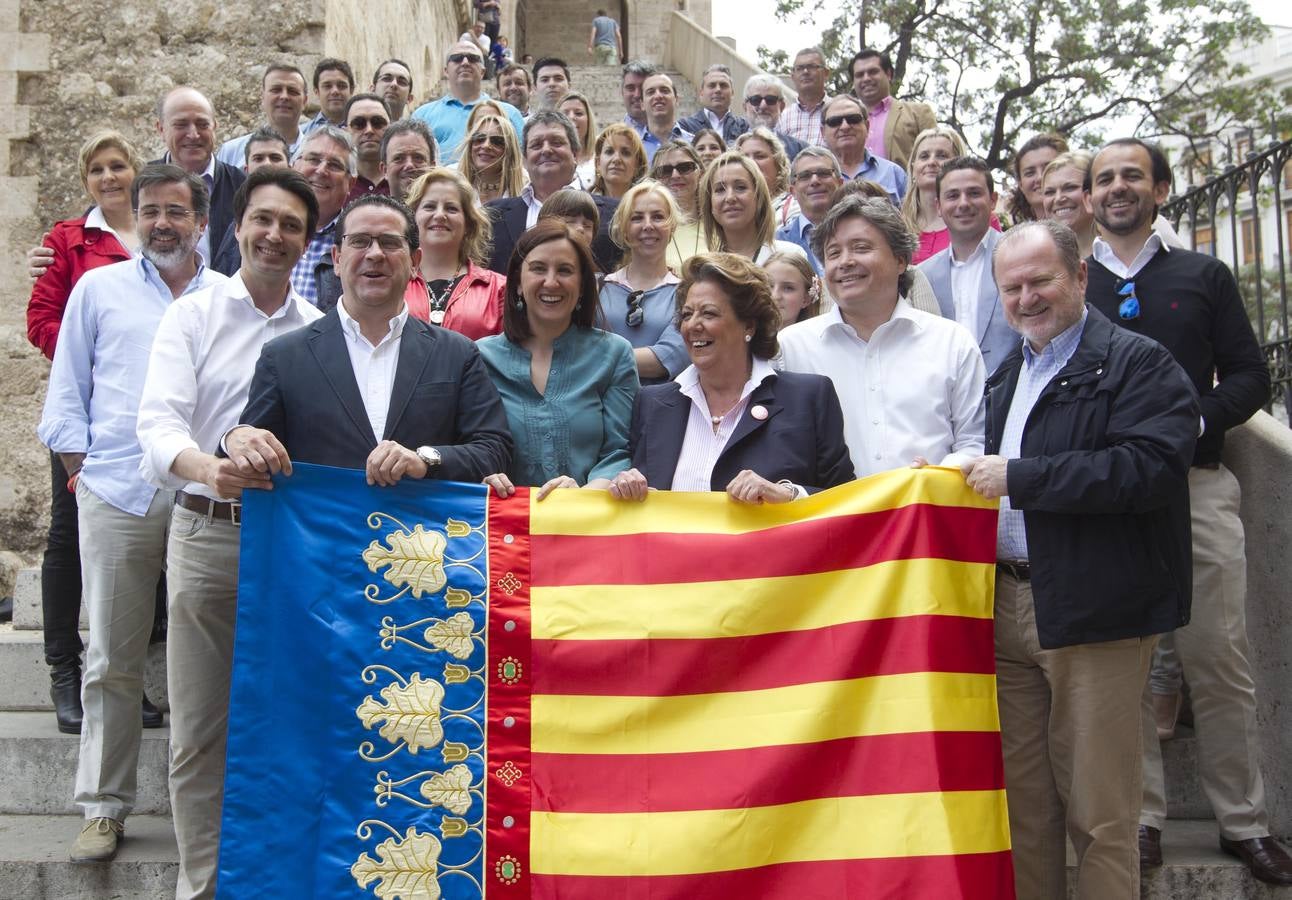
x=803 y=118
x=369 y=387
x=282 y=100
x=764 y=103
x=1189 y=302
x=366 y=118
x=715 y=109
x=845 y=127
x=89 y=420
x=447 y=116
x=328 y=162
x=814 y=177
x=393 y=82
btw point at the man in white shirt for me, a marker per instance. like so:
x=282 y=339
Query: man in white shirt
x=282 y=100
x=961 y=274
x=911 y=383
x=201 y=364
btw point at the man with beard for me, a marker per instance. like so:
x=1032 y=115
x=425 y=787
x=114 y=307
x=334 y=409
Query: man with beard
x=515 y=86
x=366 y=118
x=89 y=420
x=393 y=82
x=201 y=365
x=764 y=103
x=282 y=99
x=1189 y=303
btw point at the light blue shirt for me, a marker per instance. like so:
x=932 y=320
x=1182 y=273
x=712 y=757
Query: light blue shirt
x=233 y=152
x=1038 y=371
x=447 y=118
x=98 y=375
x=578 y=426
x=652 y=143
x=890 y=176
x=798 y=231
x=658 y=328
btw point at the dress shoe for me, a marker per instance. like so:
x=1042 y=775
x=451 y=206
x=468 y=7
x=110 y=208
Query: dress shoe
x=153 y=717
x=65 y=691
x=98 y=840
x=1150 y=847
x=1166 y=712
x=1267 y=860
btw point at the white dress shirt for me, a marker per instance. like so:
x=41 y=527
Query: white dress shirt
x=533 y=204
x=1104 y=255
x=914 y=389
x=966 y=281
x=199 y=372
x=374 y=367
x=703 y=444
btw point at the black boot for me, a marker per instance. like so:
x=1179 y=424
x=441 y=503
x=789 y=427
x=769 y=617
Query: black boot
x=65 y=691
x=153 y=717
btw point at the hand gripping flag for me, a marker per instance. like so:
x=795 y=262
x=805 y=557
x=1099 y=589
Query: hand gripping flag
x=437 y=693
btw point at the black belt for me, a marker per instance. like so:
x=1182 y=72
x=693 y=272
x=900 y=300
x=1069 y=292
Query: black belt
x=214 y=510
x=1019 y=571
x=1210 y=465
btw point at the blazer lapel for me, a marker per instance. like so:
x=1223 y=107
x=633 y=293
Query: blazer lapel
x=988 y=294
x=414 y=353
x=329 y=349
x=765 y=396
x=665 y=435
x=939 y=272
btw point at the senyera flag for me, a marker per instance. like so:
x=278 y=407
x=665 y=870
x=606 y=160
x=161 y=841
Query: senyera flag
x=437 y=693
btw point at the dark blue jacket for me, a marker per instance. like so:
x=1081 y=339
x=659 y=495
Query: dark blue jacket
x=509 y=215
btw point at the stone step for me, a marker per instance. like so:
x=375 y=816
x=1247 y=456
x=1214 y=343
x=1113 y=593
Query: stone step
x=34 y=864
x=27 y=612
x=39 y=766
x=1184 y=796
x=24 y=677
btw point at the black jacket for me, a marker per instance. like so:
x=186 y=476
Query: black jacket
x=733 y=126
x=800 y=438
x=226 y=180
x=509 y=215
x=1103 y=485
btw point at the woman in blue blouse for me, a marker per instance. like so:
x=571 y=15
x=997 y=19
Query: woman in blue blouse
x=567 y=387
x=637 y=300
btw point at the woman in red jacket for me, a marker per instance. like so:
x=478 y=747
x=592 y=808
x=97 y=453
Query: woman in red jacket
x=104 y=235
x=451 y=287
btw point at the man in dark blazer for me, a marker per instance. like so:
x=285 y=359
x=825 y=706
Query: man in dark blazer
x=186 y=122
x=550 y=144
x=369 y=387
x=715 y=110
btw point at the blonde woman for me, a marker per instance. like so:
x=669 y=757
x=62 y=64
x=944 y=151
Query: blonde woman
x=766 y=150
x=451 y=287
x=933 y=147
x=576 y=108
x=492 y=161
x=736 y=209
x=678 y=167
x=1063 y=196
x=621 y=160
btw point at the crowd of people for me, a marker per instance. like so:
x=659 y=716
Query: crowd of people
x=498 y=289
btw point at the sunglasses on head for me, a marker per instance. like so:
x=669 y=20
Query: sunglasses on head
x=494 y=140
x=361 y=123
x=763 y=100
x=851 y=119
x=635 y=314
x=1129 y=307
x=682 y=168
x=464 y=57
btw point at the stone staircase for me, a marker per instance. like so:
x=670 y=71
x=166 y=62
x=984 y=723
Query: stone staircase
x=600 y=84
x=38 y=821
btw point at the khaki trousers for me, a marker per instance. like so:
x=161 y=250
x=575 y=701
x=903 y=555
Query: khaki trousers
x=1213 y=652
x=1069 y=724
x=122 y=556
x=203 y=587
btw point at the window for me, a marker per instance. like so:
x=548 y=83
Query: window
x=1204 y=240
x=1287 y=175
x=1242 y=146
x=1248 y=224
x=1287 y=230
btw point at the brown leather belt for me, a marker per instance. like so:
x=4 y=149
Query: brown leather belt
x=1019 y=571
x=214 y=510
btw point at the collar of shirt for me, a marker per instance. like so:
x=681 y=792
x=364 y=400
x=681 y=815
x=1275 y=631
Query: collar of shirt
x=902 y=312
x=353 y=332
x=715 y=121
x=1059 y=350
x=149 y=273
x=94 y=219
x=621 y=277
x=533 y=204
x=867 y=163
x=688 y=382
x=883 y=106
x=292 y=307
x=810 y=109
x=973 y=257
x=1103 y=254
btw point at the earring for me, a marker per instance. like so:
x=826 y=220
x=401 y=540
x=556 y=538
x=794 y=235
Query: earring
x=520 y=304
x=578 y=306
x=748 y=338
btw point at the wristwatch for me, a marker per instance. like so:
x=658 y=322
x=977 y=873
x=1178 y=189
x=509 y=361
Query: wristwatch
x=430 y=456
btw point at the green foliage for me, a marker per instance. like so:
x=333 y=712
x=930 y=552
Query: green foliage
x=999 y=71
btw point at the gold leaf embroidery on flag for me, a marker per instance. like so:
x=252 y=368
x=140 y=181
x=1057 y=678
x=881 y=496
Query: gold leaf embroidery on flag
x=411 y=713
x=451 y=789
x=455 y=597
x=456 y=528
x=451 y=827
x=456 y=674
x=407 y=868
x=413 y=560
x=452 y=751
x=453 y=635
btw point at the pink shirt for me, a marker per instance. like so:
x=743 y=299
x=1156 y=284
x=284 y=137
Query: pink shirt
x=878 y=117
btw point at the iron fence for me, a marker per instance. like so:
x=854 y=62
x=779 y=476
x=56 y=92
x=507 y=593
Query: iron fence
x=1240 y=198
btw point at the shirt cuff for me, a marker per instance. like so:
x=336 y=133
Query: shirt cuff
x=154 y=466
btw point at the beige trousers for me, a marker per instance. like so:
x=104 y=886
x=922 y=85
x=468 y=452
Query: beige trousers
x=1069 y=724
x=202 y=582
x=1213 y=652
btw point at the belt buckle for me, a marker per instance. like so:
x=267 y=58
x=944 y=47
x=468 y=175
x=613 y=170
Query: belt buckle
x=235 y=513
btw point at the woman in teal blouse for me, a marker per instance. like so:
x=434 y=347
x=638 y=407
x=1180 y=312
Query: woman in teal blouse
x=567 y=387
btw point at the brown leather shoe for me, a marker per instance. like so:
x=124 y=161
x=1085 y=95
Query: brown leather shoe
x=1267 y=860
x=1150 y=847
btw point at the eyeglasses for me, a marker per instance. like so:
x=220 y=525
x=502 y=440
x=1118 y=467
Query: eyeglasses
x=682 y=168
x=808 y=67
x=635 y=315
x=851 y=119
x=493 y=140
x=763 y=100
x=397 y=79
x=1129 y=307
x=389 y=243
x=361 y=123
x=807 y=175
x=330 y=163
x=465 y=57
x=175 y=212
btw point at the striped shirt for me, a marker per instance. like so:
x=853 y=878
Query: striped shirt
x=319 y=247
x=803 y=122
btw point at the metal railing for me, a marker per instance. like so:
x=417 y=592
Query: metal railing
x=1239 y=198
